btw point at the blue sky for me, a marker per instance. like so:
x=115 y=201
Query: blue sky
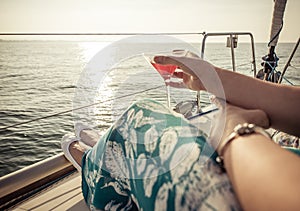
x=147 y=16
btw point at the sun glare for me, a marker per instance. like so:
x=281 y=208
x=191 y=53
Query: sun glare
x=90 y=49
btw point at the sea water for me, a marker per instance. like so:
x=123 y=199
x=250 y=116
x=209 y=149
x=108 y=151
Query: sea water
x=39 y=78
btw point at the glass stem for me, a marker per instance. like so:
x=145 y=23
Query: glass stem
x=167 y=82
x=168 y=96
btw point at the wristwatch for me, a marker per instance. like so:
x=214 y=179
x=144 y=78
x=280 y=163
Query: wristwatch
x=239 y=130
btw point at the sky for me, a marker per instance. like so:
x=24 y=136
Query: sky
x=147 y=16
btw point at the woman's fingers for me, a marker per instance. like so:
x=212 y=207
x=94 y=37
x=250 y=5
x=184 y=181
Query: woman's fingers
x=166 y=60
x=220 y=103
x=197 y=73
x=178 y=74
x=184 y=63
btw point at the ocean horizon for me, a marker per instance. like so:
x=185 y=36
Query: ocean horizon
x=40 y=78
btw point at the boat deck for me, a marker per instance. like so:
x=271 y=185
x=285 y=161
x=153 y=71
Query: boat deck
x=64 y=195
x=51 y=184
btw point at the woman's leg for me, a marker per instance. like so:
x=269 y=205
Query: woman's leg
x=77 y=151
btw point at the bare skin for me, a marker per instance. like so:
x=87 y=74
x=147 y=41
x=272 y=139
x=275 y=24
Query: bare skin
x=89 y=137
x=77 y=151
x=249 y=161
x=274 y=99
x=264 y=176
x=233 y=116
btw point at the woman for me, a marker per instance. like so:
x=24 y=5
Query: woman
x=121 y=173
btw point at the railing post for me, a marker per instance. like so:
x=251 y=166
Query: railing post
x=289 y=61
x=232 y=53
x=253 y=54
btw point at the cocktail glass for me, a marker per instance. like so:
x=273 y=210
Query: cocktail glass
x=166 y=71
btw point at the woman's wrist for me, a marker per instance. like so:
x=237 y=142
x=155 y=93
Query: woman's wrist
x=228 y=129
x=240 y=130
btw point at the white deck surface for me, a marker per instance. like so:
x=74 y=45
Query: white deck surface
x=66 y=195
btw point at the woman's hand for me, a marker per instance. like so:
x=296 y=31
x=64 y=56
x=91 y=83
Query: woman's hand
x=229 y=116
x=195 y=70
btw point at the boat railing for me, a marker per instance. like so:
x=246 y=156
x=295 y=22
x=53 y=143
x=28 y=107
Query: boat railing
x=232 y=38
x=232 y=43
x=288 y=63
x=21 y=184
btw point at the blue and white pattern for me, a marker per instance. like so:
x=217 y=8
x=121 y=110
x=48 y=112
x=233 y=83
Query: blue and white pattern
x=153 y=159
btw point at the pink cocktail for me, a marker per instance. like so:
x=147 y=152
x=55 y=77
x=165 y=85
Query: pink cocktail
x=164 y=70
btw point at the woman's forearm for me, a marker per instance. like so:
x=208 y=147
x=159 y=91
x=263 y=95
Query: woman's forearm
x=278 y=101
x=264 y=176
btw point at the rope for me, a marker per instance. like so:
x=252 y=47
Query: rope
x=86 y=106
x=274 y=71
x=93 y=34
x=288 y=81
x=273 y=68
x=277 y=34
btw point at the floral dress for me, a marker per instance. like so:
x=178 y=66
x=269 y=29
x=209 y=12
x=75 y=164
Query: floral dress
x=154 y=159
